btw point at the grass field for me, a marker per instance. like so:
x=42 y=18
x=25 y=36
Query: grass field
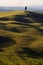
x=21 y=38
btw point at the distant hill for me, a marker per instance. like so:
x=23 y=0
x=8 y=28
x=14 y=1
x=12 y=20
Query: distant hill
x=11 y=8
x=30 y=8
x=36 y=8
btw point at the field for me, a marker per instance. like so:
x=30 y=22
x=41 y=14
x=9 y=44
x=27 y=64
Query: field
x=21 y=38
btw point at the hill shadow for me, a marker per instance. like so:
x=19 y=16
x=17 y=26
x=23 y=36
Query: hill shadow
x=37 y=29
x=19 y=23
x=21 y=18
x=5 y=42
x=14 y=30
x=4 y=19
x=2 y=26
x=30 y=53
x=36 y=16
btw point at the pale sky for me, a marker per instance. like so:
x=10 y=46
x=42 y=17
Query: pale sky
x=21 y=3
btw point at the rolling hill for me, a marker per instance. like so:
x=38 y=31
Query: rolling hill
x=21 y=38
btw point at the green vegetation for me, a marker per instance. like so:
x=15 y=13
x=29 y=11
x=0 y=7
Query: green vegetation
x=21 y=38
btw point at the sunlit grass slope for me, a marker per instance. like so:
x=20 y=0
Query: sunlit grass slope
x=21 y=38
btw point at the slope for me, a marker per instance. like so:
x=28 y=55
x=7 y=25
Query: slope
x=21 y=38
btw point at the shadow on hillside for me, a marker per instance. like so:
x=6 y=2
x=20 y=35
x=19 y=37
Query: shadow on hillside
x=20 y=18
x=36 y=16
x=4 y=19
x=37 y=29
x=14 y=30
x=5 y=42
x=19 y=23
x=29 y=53
x=2 y=26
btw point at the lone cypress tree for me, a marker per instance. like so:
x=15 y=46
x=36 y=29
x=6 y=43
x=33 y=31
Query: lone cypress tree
x=25 y=8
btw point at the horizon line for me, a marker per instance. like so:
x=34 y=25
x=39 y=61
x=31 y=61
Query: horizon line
x=21 y=6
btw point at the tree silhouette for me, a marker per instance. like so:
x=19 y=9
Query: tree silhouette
x=25 y=8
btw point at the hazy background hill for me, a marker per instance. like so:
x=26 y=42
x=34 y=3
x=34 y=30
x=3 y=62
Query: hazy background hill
x=30 y=8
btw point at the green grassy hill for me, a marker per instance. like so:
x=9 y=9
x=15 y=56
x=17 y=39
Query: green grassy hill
x=21 y=38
